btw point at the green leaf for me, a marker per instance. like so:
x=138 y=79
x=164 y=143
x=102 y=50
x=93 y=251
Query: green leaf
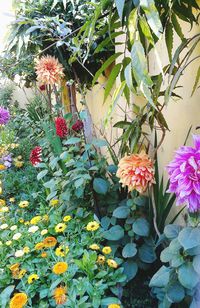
x=120 y=7
x=132 y=24
x=189 y=237
x=129 y=250
x=152 y=16
x=42 y=174
x=128 y=77
x=101 y=186
x=111 y=80
x=130 y=269
x=99 y=143
x=187 y=276
x=169 y=39
x=147 y=253
x=172 y=231
x=5 y=295
x=114 y=234
x=107 y=41
x=196 y=264
x=72 y=140
x=175 y=293
x=105 y=65
x=141 y=227
x=161 y=278
x=177 y=26
x=121 y=212
x=110 y=300
x=196 y=81
x=146 y=30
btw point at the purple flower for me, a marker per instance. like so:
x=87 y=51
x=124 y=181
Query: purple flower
x=184 y=173
x=4 y=116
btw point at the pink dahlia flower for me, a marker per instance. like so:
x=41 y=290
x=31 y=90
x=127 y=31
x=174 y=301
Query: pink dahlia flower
x=184 y=174
x=136 y=171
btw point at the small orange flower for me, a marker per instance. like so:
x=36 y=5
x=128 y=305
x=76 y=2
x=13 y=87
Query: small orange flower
x=60 y=268
x=59 y=295
x=136 y=171
x=50 y=241
x=19 y=300
x=49 y=71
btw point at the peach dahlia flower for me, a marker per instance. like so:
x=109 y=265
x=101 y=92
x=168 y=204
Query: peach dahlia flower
x=136 y=171
x=49 y=70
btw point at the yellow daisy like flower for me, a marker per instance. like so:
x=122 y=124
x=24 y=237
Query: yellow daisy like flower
x=101 y=259
x=112 y=263
x=19 y=300
x=92 y=226
x=54 y=202
x=35 y=220
x=14 y=266
x=21 y=220
x=59 y=295
x=12 y=200
x=60 y=227
x=67 y=218
x=27 y=223
x=22 y=273
x=43 y=232
x=107 y=250
x=32 y=278
x=60 y=268
x=8 y=243
x=60 y=251
x=94 y=247
x=2 y=167
x=23 y=204
x=2 y=202
x=114 y=306
x=39 y=246
x=26 y=249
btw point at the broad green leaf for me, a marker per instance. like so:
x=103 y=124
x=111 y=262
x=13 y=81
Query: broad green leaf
x=175 y=293
x=169 y=39
x=189 y=237
x=5 y=295
x=152 y=16
x=141 y=227
x=101 y=186
x=161 y=277
x=111 y=80
x=172 y=231
x=72 y=140
x=42 y=174
x=132 y=24
x=121 y=212
x=114 y=234
x=130 y=269
x=147 y=253
x=196 y=264
x=104 y=66
x=109 y=300
x=120 y=7
x=129 y=250
x=187 y=276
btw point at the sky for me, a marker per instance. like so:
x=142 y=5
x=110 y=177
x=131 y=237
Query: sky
x=5 y=19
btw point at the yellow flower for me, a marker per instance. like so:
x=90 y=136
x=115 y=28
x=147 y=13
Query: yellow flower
x=54 y=202
x=60 y=227
x=22 y=273
x=26 y=249
x=27 y=223
x=21 y=220
x=12 y=200
x=59 y=295
x=94 y=247
x=19 y=157
x=101 y=259
x=19 y=300
x=33 y=229
x=50 y=241
x=106 y=250
x=13 y=228
x=43 y=254
x=39 y=246
x=14 y=266
x=19 y=164
x=23 y=204
x=92 y=226
x=60 y=268
x=60 y=251
x=4 y=226
x=43 y=232
x=19 y=253
x=114 y=306
x=112 y=263
x=67 y=218
x=4 y=209
x=32 y=278
x=8 y=243
x=17 y=236
x=2 y=202
x=2 y=167
x=35 y=220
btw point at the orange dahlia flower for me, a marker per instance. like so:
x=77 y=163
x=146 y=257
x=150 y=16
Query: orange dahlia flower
x=49 y=70
x=59 y=295
x=60 y=268
x=19 y=300
x=136 y=171
x=50 y=241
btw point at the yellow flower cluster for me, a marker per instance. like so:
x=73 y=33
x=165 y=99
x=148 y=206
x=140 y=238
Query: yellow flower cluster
x=18 y=162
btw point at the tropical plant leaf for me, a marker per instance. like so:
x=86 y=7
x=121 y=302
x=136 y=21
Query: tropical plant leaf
x=152 y=16
x=169 y=39
x=111 y=80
